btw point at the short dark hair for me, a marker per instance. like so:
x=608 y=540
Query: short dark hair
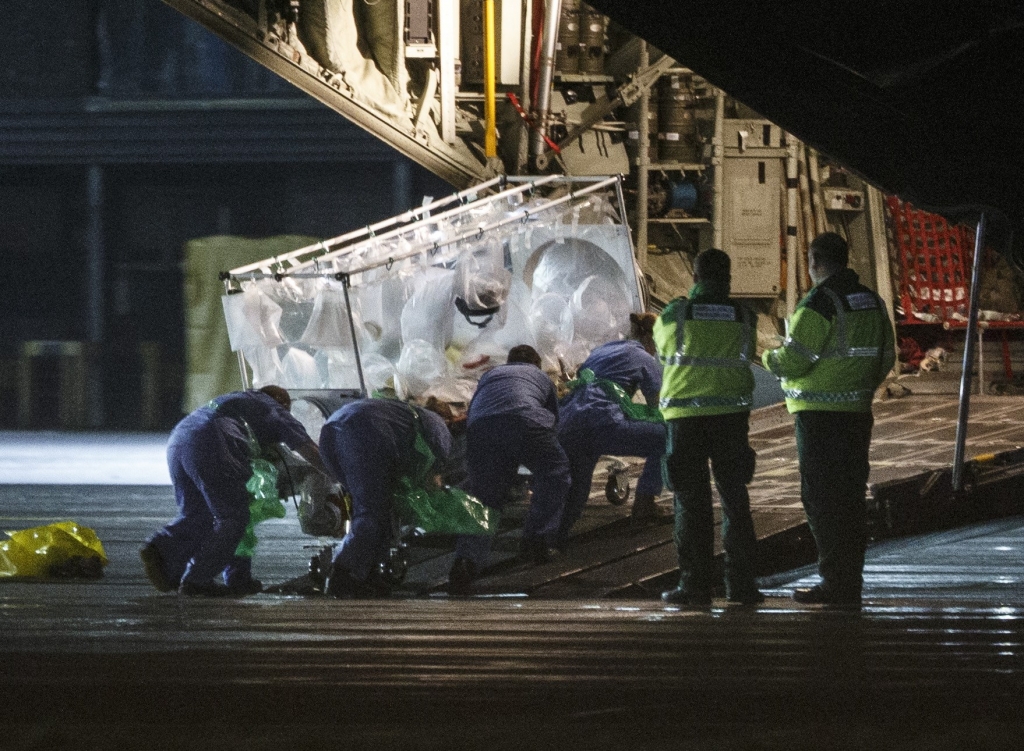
x=713 y=265
x=830 y=250
x=524 y=353
x=278 y=394
x=438 y=407
x=641 y=324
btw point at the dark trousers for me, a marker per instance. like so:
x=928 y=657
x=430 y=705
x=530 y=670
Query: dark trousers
x=692 y=443
x=208 y=460
x=368 y=462
x=833 y=449
x=585 y=449
x=495 y=447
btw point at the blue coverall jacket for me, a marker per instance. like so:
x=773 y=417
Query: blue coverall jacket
x=592 y=424
x=512 y=421
x=209 y=455
x=367 y=446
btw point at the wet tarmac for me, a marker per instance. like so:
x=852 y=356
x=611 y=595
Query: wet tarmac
x=934 y=659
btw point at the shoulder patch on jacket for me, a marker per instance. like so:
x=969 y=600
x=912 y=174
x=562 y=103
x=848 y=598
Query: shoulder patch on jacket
x=862 y=301
x=706 y=312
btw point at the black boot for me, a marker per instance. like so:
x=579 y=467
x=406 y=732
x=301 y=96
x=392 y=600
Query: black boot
x=460 y=578
x=206 y=589
x=646 y=510
x=153 y=565
x=686 y=599
x=340 y=584
x=245 y=587
x=820 y=594
x=749 y=596
x=535 y=550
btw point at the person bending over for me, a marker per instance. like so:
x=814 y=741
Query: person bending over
x=210 y=455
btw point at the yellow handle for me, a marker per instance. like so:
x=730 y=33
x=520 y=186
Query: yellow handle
x=490 y=120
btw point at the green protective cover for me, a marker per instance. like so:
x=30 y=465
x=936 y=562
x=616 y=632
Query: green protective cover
x=616 y=393
x=444 y=510
x=264 y=503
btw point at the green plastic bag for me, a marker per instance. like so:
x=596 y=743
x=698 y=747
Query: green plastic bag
x=616 y=393
x=62 y=549
x=264 y=503
x=444 y=510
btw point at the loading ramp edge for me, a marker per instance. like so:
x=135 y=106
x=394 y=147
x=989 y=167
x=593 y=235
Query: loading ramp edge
x=927 y=502
x=901 y=508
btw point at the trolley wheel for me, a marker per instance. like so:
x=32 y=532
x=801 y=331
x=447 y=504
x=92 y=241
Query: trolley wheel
x=320 y=566
x=616 y=490
x=397 y=566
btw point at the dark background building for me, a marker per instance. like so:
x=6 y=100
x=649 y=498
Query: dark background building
x=126 y=130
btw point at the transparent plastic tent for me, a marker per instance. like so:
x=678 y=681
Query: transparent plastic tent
x=427 y=301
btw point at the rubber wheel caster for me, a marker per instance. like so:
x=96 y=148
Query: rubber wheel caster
x=616 y=490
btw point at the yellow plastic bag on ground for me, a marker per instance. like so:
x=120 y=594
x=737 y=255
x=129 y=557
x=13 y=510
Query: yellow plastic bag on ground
x=63 y=550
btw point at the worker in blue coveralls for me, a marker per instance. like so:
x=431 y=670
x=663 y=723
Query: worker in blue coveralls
x=512 y=421
x=210 y=456
x=598 y=418
x=368 y=446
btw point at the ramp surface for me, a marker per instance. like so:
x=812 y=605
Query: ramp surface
x=610 y=558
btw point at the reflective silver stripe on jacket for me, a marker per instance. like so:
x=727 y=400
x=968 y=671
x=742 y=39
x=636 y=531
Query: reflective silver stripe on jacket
x=681 y=358
x=800 y=349
x=864 y=352
x=823 y=397
x=708 y=362
x=707 y=401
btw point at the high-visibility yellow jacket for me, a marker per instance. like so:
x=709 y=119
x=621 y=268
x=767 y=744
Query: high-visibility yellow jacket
x=839 y=347
x=705 y=345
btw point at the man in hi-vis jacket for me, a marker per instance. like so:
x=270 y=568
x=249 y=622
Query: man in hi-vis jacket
x=838 y=350
x=705 y=343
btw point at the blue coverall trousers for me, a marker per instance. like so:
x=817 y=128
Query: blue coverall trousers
x=585 y=447
x=366 y=460
x=496 y=447
x=208 y=456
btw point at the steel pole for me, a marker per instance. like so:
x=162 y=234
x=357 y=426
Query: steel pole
x=345 y=284
x=643 y=162
x=718 y=180
x=95 y=242
x=965 y=376
x=542 y=110
x=792 y=230
x=490 y=118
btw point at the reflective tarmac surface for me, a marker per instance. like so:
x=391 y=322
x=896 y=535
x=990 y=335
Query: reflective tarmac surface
x=57 y=458
x=933 y=660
